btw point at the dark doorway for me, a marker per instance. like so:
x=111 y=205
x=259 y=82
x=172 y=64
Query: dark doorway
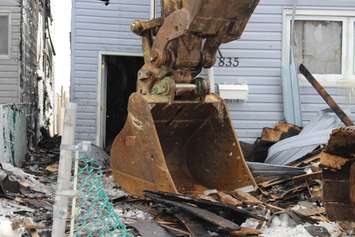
x=121 y=75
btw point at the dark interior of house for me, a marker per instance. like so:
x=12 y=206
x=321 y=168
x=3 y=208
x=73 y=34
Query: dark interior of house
x=121 y=83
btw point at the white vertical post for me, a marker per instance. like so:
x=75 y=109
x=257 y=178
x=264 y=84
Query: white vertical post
x=152 y=9
x=75 y=188
x=212 y=80
x=60 y=210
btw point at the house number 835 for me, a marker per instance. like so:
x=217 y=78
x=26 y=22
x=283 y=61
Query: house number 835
x=228 y=61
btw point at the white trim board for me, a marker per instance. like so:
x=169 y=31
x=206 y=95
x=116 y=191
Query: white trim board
x=101 y=94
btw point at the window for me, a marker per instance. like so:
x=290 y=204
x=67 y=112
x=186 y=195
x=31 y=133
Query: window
x=323 y=41
x=318 y=45
x=4 y=35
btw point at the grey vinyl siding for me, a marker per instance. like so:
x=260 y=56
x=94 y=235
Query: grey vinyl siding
x=311 y=102
x=97 y=27
x=9 y=67
x=260 y=53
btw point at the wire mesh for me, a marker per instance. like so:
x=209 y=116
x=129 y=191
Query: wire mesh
x=94 y=213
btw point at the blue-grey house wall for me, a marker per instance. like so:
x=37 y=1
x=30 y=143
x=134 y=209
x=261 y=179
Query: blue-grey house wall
x=9 y=65
x=96 y=27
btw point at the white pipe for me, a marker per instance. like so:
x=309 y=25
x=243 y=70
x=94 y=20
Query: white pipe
x=185 y=86
x=152 y=9
x=211 y=78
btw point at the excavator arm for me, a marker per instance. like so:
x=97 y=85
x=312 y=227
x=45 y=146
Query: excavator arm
x=186 y=38
x=178 y=137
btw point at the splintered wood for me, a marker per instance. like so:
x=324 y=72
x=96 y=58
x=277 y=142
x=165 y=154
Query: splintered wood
x=199 y=216
x=281 y=131
x=324 y=193
x=339 y=175
x=269 y=137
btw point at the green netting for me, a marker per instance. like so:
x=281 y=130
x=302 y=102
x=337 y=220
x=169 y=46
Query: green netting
x=94 y=213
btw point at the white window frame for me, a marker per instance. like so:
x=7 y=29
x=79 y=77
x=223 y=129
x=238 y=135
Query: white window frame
x=7 y=56
x=348 y=20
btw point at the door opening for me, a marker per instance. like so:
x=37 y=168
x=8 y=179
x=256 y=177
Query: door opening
x=121 y=80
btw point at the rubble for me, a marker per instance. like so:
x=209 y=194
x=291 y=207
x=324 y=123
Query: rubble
x=270 y=136
x=289 y=203
x=313 y=135
x=26 y=195
x=300 y=199
x=338 y=163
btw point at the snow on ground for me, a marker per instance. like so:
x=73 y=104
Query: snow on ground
x=6 y=229
x=284 y=226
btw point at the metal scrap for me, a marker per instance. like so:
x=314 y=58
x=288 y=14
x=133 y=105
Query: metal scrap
x=316 y=133
x=274 y=170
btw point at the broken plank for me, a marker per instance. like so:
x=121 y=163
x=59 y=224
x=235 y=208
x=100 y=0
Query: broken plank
x=271 y=135
x=314 y=158
x=326 y=97
x=307 y=209
x=288 y=129
x=149 y=228
x=228 y=199
x=202 y=214
x=332 y=161
x=238 y=214
x=245 y=232
x=342 y=142
x=314 y=175
x=273 y=182
x=195 y=228
x=297 y=179
x=246 y=198
x=174 y=230
x=340 y=211
x=281 y=131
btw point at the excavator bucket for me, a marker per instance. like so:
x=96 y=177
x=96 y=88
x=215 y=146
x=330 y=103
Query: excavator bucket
x=183 y=147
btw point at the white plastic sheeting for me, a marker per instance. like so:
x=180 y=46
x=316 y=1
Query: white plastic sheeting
x=316 y=133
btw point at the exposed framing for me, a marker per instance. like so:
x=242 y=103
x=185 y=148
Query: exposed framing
x=348 y=19
x=9 y=15
x=101 y=93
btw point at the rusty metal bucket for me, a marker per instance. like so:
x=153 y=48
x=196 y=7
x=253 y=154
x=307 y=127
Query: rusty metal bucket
x=183 y=147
